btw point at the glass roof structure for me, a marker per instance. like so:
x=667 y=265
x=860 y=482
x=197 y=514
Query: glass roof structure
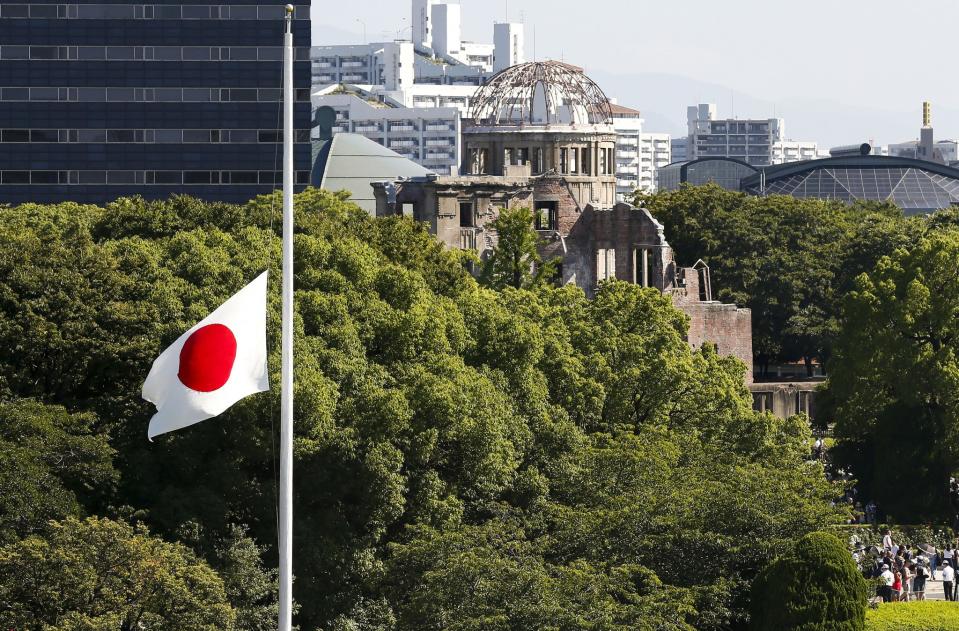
x=916 y=186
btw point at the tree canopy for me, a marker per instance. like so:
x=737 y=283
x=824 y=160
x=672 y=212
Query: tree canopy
x=466 y=457
x=789 y=260
x=895 y=381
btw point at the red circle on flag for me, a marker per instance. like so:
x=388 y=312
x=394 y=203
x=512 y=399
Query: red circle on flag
x=207 y=357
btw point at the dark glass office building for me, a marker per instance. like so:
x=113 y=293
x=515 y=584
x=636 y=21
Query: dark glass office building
x=100 y=100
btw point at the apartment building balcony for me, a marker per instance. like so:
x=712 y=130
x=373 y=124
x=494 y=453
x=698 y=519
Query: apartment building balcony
x=368 y=128
x=440 y=127
x=352 y=64
x=322 y=64
x=403 y=143
x=403 y=127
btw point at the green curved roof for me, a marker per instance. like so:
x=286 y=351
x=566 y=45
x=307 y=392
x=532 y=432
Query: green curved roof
x=353 y=162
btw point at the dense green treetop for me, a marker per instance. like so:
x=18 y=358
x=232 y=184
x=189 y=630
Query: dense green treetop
x=895 y=383
x=789 y=260
x=571 y=461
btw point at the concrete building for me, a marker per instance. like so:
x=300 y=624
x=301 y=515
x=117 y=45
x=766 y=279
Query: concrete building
x=638 y=154
x=429 y=136
x=114 y=99
x=390 y=65
x=784 y=151
x=422 y=26
x=540 y=136
x=437 y=32
x=759 y=142
x=679 y=147
x=508 y=45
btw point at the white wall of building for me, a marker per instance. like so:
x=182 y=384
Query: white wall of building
x=390 y=64
x=508 y=45
x=447 y=29
x=428 y=136
x=422 y=24
x=794 y=150
x=639 y=155
x=758 y=141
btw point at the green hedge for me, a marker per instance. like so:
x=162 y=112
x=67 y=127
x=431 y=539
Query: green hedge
x=928 y=615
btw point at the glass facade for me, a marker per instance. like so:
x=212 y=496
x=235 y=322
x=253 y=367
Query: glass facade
x=912 y=188
x=100 y=100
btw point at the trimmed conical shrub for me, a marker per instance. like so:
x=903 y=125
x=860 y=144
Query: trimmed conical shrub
x=816 y=586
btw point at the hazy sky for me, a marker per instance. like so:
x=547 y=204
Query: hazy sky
x=848 y=55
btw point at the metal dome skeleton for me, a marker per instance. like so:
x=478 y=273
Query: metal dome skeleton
x=540 y=93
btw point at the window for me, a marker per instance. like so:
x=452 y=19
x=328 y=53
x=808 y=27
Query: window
x=16 y=135
x=763 y=401
x=539 y=167
x=586 y=161
x=564 y=160
x=168 y=136
x=641 y=271
x=196 y=177
x=15 y=52
x=45 y=177
x=120 y=135
x=545 y=216
x=44 y=135
x=574 y=160
x=478 y=161
x=196 y=53
x=522 y=156
x=605 y=264
x=507 y=157
x=15 y=177
x=466 y=215
x=93 y=177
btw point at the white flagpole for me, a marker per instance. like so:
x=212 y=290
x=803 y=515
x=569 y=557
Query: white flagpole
x=286 y=393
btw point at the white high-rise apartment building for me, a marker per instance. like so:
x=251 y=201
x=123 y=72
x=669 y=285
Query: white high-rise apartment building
x=429 y=136
x=508 y=45
x=757 y=141
x=794 y=151
x=638 y=154
x=422 y=29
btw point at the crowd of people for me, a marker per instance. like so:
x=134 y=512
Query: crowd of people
x=905 y=572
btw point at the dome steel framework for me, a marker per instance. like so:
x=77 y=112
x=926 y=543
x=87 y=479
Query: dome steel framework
x=540 y=92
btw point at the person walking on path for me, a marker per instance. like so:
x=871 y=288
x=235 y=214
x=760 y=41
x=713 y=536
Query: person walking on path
x=933 y=558
x=919 y=582
x=948 y=577
x=885 y=590
x=887 y=542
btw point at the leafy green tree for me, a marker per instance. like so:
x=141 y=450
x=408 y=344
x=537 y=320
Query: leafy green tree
x=515 y=261
x=99 y=574
x=895 y=379
x=789 y=260
x=815 y=586
x=590 y=457
x=51 y=462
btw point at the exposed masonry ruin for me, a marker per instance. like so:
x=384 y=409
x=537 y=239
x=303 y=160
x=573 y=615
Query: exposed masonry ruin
x=541 y=139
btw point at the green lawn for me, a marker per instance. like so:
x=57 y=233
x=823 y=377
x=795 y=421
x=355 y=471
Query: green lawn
x=929 y=615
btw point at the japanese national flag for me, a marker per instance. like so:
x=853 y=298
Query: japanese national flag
x=213 y=365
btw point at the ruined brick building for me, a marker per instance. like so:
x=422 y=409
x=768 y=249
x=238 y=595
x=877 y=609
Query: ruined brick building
x=540 y=136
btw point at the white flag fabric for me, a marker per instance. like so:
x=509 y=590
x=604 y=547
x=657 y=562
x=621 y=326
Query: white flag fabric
x=219 y=361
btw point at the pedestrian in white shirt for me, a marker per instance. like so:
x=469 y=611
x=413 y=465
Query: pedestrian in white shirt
x=887 y=542
x=948 y=577
x=888 y=578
